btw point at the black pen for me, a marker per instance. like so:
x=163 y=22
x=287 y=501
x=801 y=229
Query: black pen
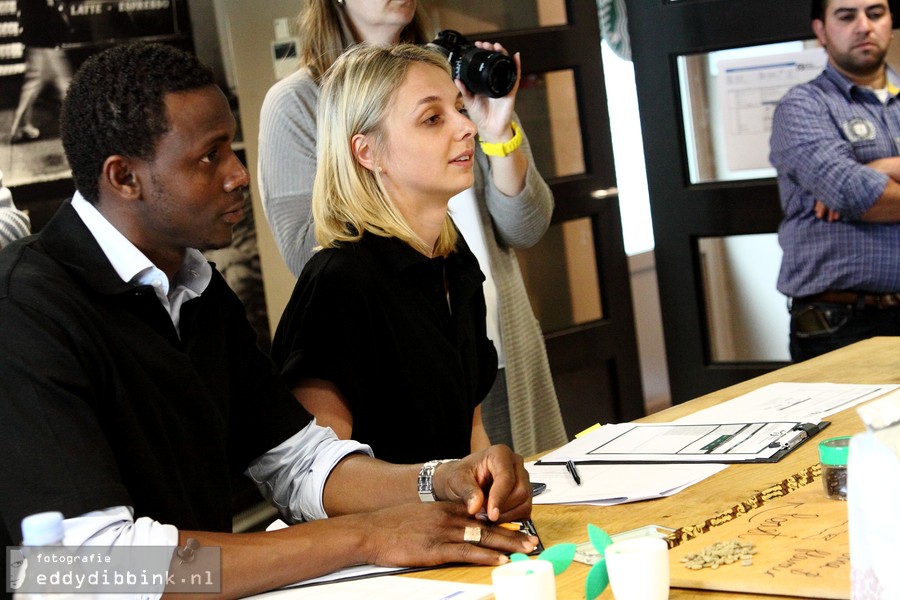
x=570 y=466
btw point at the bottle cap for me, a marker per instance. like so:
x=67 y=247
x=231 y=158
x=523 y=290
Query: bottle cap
x=42 y=529
x=834 y=451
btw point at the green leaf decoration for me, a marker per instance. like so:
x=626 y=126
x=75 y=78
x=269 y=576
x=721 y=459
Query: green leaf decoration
x=599 y=538
x=560 y=556
x=597 y=580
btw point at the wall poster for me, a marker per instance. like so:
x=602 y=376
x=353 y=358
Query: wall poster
x=62 y=34
x=749 y=91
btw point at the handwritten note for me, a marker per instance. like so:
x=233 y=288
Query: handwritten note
x=802 y=545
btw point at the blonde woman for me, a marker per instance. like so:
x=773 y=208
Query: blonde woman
x=384 y=337
x=508 y=205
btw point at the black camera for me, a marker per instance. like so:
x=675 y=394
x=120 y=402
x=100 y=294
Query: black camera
x=483 y=71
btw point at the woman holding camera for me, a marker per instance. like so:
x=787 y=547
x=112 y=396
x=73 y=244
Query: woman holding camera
x=508 y=206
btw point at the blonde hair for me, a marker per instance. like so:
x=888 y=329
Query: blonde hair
x=349 y=199
x=325 y=34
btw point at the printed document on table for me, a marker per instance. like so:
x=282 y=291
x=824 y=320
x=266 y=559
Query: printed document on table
x=789 y=401
x=606 y=485
x=682 y=443
x=386 y=588
x=761 y=426
x=347 y=573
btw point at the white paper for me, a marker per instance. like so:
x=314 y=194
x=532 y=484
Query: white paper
x=610 y=484
x=680 y=442
x=606 y=485
x=387 y=588
x=353 y=572
x=789 y=401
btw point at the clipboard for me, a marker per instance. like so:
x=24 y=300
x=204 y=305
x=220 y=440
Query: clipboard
x=649 y=443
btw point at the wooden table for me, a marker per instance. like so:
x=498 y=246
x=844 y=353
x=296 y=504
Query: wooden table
x=874 y=361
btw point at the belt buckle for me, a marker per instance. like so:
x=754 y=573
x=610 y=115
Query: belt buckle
x=887 y=300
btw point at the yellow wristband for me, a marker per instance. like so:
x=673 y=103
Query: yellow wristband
x=506 y=148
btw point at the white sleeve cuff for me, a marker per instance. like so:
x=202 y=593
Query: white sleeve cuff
x=116 y=527
x=292 y=475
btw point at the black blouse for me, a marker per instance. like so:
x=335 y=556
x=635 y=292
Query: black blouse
x=412 y=362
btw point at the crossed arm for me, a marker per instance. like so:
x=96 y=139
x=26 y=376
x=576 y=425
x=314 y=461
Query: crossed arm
x=887 y=208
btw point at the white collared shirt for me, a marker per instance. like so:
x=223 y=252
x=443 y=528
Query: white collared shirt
x=133 y=266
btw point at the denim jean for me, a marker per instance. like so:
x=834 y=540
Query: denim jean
x=819 y=327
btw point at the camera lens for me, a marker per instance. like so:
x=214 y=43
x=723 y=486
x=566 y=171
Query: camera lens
x=482 y=71
x=488 y=73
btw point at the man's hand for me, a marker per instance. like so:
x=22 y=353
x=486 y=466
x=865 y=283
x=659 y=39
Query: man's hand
x=426 y=534
x=493 y=481
x=413 y=534
x=885 y=209
x=823 y=212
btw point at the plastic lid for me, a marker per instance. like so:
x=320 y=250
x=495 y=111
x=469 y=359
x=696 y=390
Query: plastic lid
x=834 y=451
x=42 y=529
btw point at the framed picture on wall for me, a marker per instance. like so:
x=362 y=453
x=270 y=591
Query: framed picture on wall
x=42 y=43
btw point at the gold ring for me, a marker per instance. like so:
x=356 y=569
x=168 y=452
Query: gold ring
x=472 y=535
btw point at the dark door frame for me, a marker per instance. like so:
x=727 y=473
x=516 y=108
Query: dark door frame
x=595 y=365
x=683 y=212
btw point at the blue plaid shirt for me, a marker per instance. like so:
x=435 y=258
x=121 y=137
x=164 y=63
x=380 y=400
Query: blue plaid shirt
x=823 y=133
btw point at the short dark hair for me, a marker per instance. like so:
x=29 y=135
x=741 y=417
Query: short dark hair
x=116 y=105
x=817 y=10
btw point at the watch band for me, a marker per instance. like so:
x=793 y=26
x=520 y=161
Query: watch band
x=426 y=490
x=504 y=148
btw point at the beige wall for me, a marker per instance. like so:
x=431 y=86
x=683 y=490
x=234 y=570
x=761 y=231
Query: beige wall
x=249 y=31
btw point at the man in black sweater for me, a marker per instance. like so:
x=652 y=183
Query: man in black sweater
x=132 y=385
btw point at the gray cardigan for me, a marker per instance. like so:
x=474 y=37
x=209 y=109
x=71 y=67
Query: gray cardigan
x=286 y=171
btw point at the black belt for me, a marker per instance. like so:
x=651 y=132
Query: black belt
x=880 y=301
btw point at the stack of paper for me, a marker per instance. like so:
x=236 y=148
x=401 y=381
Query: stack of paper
x=605 y=485
x=759 y=426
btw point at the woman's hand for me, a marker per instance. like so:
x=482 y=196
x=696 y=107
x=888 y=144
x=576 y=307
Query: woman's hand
x=492 y=115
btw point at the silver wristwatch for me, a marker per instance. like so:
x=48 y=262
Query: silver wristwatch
x=426 y=490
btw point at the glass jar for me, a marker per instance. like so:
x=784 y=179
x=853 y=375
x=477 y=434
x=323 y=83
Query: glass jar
x=833 y=456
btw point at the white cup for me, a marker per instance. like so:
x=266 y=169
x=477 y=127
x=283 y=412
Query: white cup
x=524 y=580
x=638 y=569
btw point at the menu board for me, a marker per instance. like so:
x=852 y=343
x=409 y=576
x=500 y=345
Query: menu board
x=110 y=21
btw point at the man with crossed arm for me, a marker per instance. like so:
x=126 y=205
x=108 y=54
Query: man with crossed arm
x=835 y=146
